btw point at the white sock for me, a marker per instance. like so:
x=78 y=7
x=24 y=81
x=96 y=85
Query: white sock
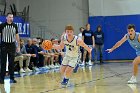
x=134 y=77
x=83 y=62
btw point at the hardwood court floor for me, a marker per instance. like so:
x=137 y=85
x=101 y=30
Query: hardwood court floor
x=106 y=78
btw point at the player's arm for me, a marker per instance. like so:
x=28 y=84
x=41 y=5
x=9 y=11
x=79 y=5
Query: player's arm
x=82 y=44
x=93 y=40
x=60 y=46
x=119 y=43
x=17 y=39
x=139 y=38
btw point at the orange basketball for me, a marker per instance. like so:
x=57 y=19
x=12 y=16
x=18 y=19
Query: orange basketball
x=47 y=44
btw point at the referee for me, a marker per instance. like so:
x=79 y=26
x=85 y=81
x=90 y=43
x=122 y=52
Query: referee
x=9 y=35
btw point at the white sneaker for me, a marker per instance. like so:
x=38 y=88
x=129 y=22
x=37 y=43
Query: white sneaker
x=132 y=80
x=35 y=69
x=133 y=87
x=47 y=67
x=56 y=66
x=89 y=63
x=83 y=64
x=28 y=70
x=22 y=70
x=52 y=66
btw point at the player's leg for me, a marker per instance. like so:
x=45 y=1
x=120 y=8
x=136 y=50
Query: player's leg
x=63 y=66
x=78 y=62
x=76 y=68
x=62 y=70
x=69 y=70
x=136 y=62
x=67 y=74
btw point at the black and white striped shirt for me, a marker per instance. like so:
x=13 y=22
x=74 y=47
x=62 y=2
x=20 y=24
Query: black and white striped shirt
x=8 y=32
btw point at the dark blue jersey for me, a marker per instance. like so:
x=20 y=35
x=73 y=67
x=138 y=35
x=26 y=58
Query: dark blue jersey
x=88 y=37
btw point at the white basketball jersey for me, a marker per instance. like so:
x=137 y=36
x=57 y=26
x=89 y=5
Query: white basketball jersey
x=72 y=49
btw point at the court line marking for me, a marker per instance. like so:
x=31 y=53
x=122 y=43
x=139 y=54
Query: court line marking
x=85 y=82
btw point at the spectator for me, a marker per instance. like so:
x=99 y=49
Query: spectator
x=99 y=43
x=35 y=44
x=88 y=39
x=21 y=56
x=33 y=52
x=47 y=59
x=41 y=53
x=81 y=48
x=55 y=52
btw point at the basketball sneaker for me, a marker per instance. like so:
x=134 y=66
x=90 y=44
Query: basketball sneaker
x=35 y=69
x=22 y=70
x=76 y=68
x=133 y=87
x=28 y=70
x=52 y=66
x=64 y=82
x=83 y=63
x=89 y=63
x=47 y=67
x=132 y=80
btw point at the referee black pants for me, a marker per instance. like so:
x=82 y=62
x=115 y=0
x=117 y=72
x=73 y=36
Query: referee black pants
x=7 y=49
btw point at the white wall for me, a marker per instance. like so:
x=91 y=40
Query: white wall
x=55 y=14
x=8 y=3
x=1 y=4
x=113 y=7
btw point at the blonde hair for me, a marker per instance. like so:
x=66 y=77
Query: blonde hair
x=69 y=27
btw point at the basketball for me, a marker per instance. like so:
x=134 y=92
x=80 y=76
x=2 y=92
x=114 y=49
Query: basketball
x=47 y=44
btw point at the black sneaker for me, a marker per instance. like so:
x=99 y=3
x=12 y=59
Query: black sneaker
x=13 y=81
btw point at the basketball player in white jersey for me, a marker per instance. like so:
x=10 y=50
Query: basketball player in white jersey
x=72 y=44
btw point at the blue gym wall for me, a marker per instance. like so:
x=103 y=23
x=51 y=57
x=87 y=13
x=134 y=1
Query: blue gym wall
x=114 y=28
x=23 y=27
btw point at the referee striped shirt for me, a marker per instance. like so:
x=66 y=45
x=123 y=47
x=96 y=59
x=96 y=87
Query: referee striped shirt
x=8 y=32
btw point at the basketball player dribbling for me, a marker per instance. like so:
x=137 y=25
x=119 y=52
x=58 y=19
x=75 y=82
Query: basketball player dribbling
x=72 y=43
x=134 y=40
